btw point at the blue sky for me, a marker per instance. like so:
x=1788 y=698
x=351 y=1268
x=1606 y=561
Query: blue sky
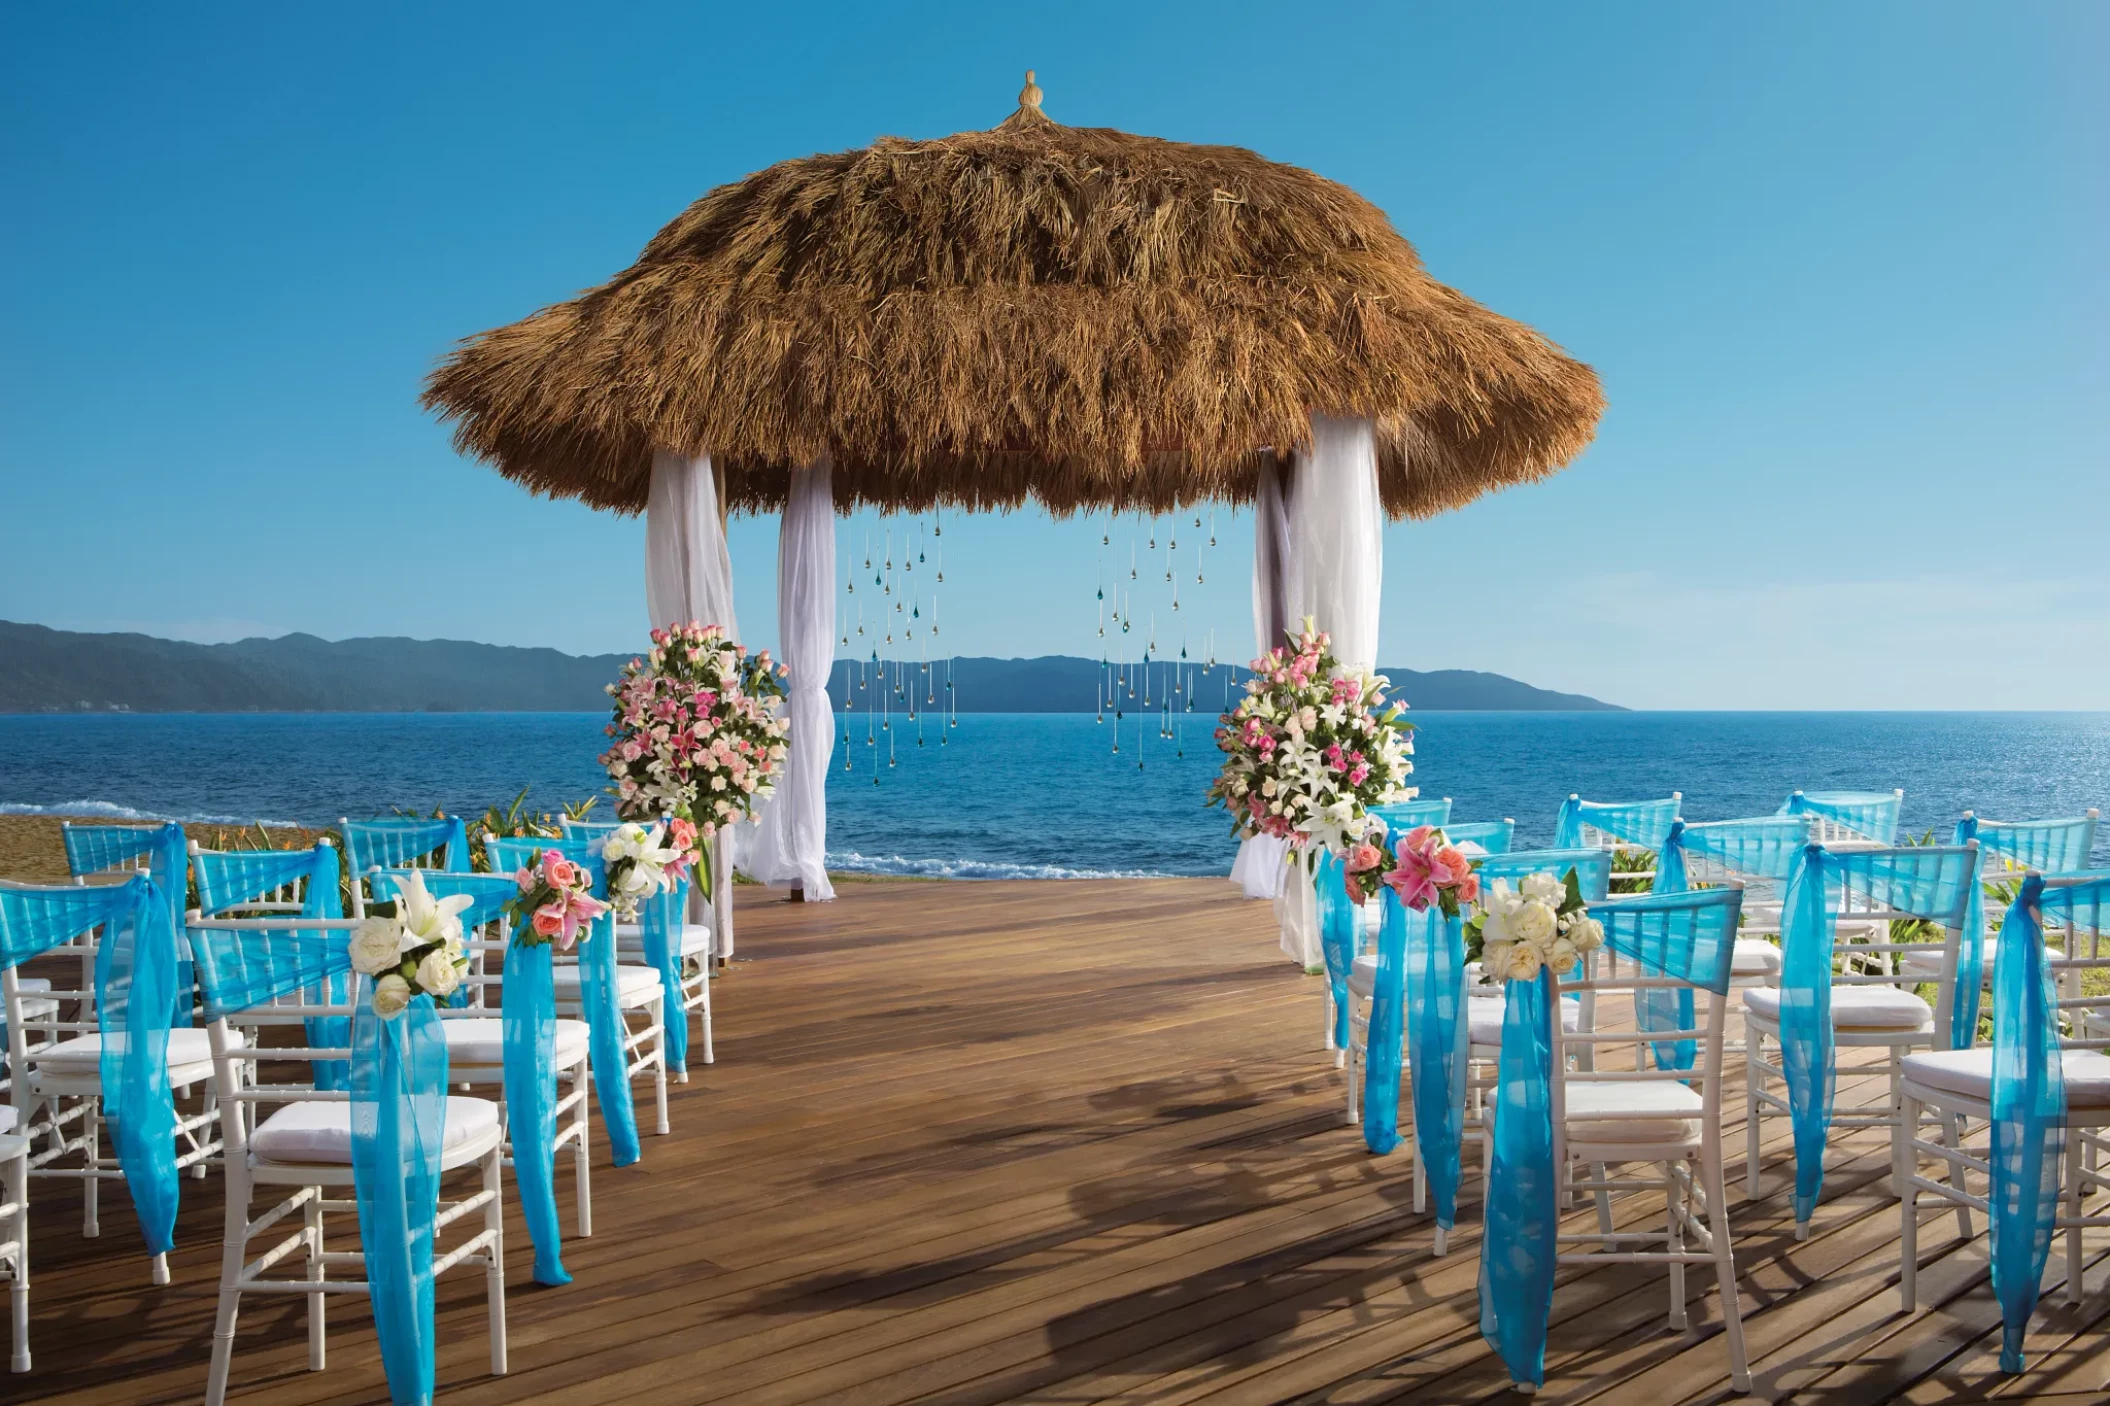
x=1839 y=268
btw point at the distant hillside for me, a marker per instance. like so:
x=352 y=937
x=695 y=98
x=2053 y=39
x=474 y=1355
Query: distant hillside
x=46 y=671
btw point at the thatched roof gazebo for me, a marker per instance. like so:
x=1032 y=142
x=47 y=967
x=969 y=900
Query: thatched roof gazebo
x=1071 y=316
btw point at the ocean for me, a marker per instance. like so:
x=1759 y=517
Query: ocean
x=1048 y=795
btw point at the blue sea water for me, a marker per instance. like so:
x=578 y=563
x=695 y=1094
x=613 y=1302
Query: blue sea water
x=1024 y=795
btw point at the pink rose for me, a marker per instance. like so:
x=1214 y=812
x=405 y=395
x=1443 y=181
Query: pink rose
x=549 y=920
x=525 y=878
x=1364 y=857
x=559 y=871
x=1451 y=866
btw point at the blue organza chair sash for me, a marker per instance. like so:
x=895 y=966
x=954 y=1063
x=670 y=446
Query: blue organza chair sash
x=1871 y=815
x=1592 y=868
x=661 y=920
x=598 y=991
x=395 y=842
x=1492 y=836
x=136 y=963
x=2048 y=846
x=1642 y=823
x=93 y=849
x=1939 y=883
x=1764 y=848
x=399 y=1126
x=240 y=878
x=1689 y=937
x=1340 y=934
x=1405 y=815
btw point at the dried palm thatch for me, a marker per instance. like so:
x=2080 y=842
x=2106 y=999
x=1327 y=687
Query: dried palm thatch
x=1067 y=314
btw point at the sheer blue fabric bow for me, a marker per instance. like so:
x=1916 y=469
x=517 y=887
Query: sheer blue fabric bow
x=396 y=841
x=1339 y=935
x=1643 y=823
x=98 y=849
x=1691 y=937
x=1405 y=815
x=606 y=1033
x=2029 y=1092
x=236 y=879
x=2048 y=846
x=528 y=1028
x=1870 y=814
x=1384 y=1037
x=399 y=1125
x=135 y=994
x=1923 y=881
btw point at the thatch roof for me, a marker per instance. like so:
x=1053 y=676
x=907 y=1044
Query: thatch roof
x=1068 y=314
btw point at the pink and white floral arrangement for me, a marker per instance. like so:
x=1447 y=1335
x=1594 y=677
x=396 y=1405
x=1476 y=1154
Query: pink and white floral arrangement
x=695 y=733
x=1422 y=866
x=417 y=952
x=555 y=902
x=1310 y=748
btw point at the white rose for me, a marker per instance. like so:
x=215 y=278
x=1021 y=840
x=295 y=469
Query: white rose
x=1542 y=886
x=1494 y=926
x=436 y=973
x=391 y=996
x=1562 y=956
x=616 y=846
x=375 y=945
x=1587 y=934
x=1494 y=958
x=1532 y=921
x=1523 y=962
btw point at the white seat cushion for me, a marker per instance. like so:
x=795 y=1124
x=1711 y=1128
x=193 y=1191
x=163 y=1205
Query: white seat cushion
x=1362 y=977
x=190 y=1055
x=1755 y=957
x=634 y=986
x=481 y=1040
x=695 y=937
x=1853 y=1007
x=1970 y=1072
x=319 y=1130
x=1618 y=1112
x=7 y=1117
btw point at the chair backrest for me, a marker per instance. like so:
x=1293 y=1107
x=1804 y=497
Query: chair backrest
x=485 y=927
x=2074 y=911
x=1890 y=884
x=1615 y=825
x=1492 y=836
x=285 y=977
x=103 y=849
x=508 y=853
x=67 y=1009
x=586 y=829
x=1671 y=953
x=1849 y=817
x=254 y=882
x=405 y=842
x=1592 y=868
x=1758 y=853
x=2013 y=847
x=1405 y=815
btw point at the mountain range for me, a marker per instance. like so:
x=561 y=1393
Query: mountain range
x=52 y=671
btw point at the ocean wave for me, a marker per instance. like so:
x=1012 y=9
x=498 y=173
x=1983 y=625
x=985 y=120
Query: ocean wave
x=855 y=863
x=108 y=810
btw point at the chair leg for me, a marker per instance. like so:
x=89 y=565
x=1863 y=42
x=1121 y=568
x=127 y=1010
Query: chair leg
x=1900 y=1135
x=2074 y=1146
x=1958 y=1173
x=317 y=1271
x=581 y=1150
x=659 y=1069
x=1725 y=1270
x=1754 y=1060
x=709 y=1054
x=92 y=1159
x=1349 y=1063
x=1674 y=1225
x=495 y=1260
x=1909 y=1224
x=18 y=1192
x=1603 y=1197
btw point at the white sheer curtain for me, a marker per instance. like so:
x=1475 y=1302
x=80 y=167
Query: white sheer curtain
x=790 y=842
x=689 y=576
x=688 y=571
x=1334 y=570
x=1258 y=869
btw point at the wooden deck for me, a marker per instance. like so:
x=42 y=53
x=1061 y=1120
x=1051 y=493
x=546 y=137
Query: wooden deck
x=1058 y=1142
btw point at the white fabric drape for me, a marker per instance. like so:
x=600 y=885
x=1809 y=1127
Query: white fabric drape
x=688 y=571
x=689 y=576
x=1258 y=870
x=790 y=844
x=1332 y=570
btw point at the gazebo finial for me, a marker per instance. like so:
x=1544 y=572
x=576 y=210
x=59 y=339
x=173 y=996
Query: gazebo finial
x=1030 y=95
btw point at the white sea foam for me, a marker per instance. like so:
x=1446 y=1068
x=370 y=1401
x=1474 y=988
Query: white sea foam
x=107 y=810
x=852 y=862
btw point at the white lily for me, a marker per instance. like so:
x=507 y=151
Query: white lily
x=424 y=918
